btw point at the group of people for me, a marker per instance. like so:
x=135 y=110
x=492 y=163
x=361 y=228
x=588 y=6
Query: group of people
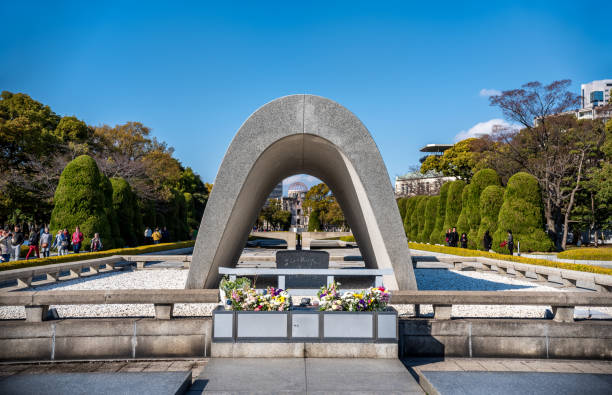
x=156 y=236
x=452 y=239
x=40 y=242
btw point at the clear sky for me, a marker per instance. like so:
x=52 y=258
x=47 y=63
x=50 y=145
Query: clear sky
x=413 y=72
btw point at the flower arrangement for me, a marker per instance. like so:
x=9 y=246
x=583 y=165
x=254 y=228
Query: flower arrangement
x=247 y=298
x=371 y=299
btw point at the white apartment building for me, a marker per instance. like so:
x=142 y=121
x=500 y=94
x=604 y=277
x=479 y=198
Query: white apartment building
x=592 y=95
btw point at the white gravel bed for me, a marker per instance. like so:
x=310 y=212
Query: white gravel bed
x=427 y=279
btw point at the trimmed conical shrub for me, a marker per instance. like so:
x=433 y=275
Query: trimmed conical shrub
x=111 y=215
x=421 y=213
x=481 y=180
x=410 y=206
x=453 y=205
x=430 y=218
x=435 y=237
x=463 y=224
x=414 y=219
x=126 y=209
x=401 y=205
x=521 y=212
x=491 y=200
x=79 y=201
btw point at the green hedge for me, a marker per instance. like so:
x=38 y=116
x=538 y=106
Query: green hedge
x=481 y=180
x=453 y=206
x=410 y=206
x=91 y=255
x=491 y=200
x=521 y=212
x=594 y=254
x=463 y=223
x=513 y=258
x=430 y=218
x=437 y=234
x=80 y=201
x=417 y=217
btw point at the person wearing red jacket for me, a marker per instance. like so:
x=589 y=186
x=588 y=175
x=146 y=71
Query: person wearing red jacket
x=77 y=240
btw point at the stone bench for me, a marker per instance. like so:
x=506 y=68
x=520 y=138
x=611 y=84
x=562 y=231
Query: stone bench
x=37 y=303
x=562 y=303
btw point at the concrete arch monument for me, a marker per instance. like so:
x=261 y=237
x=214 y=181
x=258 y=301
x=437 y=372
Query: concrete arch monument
x=295 y=135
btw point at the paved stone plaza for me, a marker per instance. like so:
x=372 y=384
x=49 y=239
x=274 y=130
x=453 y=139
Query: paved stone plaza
x=364 y=376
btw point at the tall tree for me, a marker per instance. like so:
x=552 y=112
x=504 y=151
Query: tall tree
x=459 y=161
x=552 y=146
x=79 y=201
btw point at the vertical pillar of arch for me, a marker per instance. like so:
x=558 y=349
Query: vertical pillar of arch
x=294 y=135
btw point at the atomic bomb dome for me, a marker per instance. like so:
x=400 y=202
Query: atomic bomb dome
x=296 y=188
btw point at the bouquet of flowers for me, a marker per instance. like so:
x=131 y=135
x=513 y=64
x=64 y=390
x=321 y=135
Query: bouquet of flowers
x=371 y=299
x=329 y=298
x=247 y=298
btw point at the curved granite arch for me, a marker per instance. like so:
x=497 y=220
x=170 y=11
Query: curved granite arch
x=295 y=135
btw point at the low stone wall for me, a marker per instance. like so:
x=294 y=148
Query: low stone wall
x=134 y=338
x=119 y=338
x=505 y=338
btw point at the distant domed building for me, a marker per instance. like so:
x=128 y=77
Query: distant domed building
x=297 y=189
x=293 y=203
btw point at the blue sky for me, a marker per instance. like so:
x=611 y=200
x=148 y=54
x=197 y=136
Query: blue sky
x=413 y=73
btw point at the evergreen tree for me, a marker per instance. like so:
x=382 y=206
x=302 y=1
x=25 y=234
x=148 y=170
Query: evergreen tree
x=111 y=215
x=126 y=208
x=491 y=200
x=401 y=205
x=410 y=206
x=462 y=222
x=453 y=205
x=414 y=219
x=481 y=180
x=79 y=201
x=437 y=234
x=420 y=217
x=521 y=212
x=314 y=224
x=430 y=218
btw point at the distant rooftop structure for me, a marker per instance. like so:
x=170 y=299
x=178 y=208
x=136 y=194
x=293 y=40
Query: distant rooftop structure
x=436 y=148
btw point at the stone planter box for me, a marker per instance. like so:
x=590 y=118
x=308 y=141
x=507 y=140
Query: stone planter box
x=305 y=325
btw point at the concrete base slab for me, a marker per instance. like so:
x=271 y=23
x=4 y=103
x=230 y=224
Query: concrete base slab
x=304 y=350
x=299 y=375
x=161 y=383
x=487 y=383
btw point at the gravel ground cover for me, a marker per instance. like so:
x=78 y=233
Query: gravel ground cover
x=427 y=279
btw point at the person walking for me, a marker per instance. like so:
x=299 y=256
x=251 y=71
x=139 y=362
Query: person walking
x=156 y=236
x=5 y=250
x=510 y=242
x=77 y=240
x=148 y=235
x=464 y=240
x=59 y=241
x=96 y=243
x=487 y=241
x=45 y=242
x=16 y=242
x=33 y=239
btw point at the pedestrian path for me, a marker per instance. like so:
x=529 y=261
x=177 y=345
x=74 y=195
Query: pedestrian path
x=511 y=376
x=305 y=376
